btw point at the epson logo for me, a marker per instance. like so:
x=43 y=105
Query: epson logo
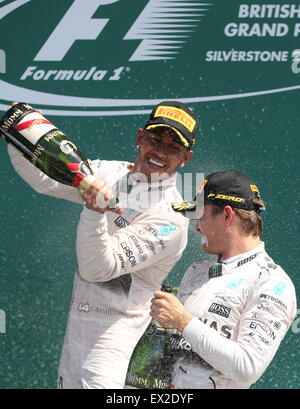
x=129 y=253
x=220 y=309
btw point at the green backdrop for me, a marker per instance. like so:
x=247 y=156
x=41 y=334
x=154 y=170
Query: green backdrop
x=249 y=118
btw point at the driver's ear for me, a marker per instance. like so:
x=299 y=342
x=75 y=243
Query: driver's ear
x=187 y=158
x=140 y=135
x=228 y=214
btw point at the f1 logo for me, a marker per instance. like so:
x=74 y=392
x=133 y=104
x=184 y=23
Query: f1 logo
x=77 y=24
x=157 y=41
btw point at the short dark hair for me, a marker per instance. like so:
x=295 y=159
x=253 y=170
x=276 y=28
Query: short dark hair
x=251 y=220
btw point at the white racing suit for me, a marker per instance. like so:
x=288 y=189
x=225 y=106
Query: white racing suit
x=241 y=316
x=122 y=260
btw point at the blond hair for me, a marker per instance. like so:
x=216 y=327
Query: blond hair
x=251 y=220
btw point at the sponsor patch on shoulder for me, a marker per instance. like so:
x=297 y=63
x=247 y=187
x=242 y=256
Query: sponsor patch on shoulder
x=220 y=309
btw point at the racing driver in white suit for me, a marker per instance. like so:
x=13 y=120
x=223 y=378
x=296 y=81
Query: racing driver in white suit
x=230 y=316
x=123 y=256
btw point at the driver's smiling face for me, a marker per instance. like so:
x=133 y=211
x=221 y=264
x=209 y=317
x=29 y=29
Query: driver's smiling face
x=160 y=152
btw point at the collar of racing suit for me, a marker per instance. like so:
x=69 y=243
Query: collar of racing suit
x=140 y=194
x=164 y=182
x=233 y=262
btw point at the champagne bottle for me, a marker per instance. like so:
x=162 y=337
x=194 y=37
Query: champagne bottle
x=47 y=148
x=150 y=362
